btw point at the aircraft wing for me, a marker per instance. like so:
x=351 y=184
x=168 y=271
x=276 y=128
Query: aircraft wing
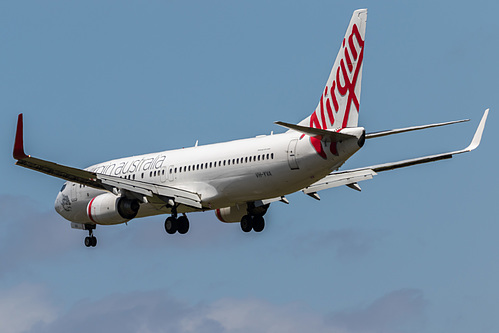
x=351 y=177
x=141 y=190
x=151 y=192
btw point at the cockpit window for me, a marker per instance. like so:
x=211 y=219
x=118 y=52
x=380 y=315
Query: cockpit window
x=63 y=187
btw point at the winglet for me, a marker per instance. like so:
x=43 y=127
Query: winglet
x=479 y=131
x=18 y=144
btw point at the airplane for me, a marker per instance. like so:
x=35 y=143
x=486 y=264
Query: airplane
x=237 y=179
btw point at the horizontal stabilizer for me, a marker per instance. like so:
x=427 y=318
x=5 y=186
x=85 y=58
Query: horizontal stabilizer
x=317 y=132
x=410 y=129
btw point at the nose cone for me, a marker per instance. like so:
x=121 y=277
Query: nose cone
x=62 y=204
x=57 y=203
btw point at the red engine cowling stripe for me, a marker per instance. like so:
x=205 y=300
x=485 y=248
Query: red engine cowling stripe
x=219 y=215
x=89 y=212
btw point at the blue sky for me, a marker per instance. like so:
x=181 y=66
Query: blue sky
x=414 y=252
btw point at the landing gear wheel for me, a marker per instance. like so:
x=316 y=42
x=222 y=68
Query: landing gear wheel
x=258 y=223
x=247 y=223
x=182 y=225
x=90 y=241
x=171 y=225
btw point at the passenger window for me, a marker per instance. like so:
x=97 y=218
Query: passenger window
x=272 y=156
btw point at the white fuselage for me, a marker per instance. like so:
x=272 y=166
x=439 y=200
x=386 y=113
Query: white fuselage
x=223 y=174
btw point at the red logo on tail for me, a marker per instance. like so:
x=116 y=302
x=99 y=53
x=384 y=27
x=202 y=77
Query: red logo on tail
x=350 y=65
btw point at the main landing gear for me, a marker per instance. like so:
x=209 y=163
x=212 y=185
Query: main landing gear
x=254 y=219
x=249 y=222
x=91 y=240
x=174 y=224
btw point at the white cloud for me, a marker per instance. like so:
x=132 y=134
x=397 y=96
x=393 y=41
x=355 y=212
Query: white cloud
x=347 y=243
x=23 y=307
x=156 y=311
x=398 y=311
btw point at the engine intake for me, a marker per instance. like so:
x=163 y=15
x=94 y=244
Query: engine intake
x=111 y=209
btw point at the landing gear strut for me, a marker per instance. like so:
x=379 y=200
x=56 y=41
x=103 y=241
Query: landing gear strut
x=91 y=240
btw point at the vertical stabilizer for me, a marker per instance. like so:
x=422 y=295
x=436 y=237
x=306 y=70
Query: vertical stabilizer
x=340 y=101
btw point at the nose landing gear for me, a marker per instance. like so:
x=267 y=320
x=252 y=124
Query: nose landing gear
x=91 y=240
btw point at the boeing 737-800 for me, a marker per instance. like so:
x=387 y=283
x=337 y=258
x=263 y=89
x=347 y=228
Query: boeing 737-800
x=237 y=179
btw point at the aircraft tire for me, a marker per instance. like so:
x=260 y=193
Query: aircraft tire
x=183 y=225
x=88 y=241
x=171 y=225
x=258 y=223
x=246 y=223
x=94 y=241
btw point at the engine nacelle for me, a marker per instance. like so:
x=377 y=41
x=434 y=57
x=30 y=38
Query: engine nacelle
x=231 y=214
x=111 y=209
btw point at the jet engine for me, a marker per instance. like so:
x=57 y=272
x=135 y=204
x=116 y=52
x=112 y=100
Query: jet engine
x=236 y=213
x=231 y=214
x=111 y=209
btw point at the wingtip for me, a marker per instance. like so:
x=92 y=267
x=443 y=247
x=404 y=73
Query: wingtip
x=479 y=131
x=18 y=152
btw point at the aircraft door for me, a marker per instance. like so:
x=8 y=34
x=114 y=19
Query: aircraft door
x=171 y=175
x=293 y=164
x=164 y=175
x=73 y=192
